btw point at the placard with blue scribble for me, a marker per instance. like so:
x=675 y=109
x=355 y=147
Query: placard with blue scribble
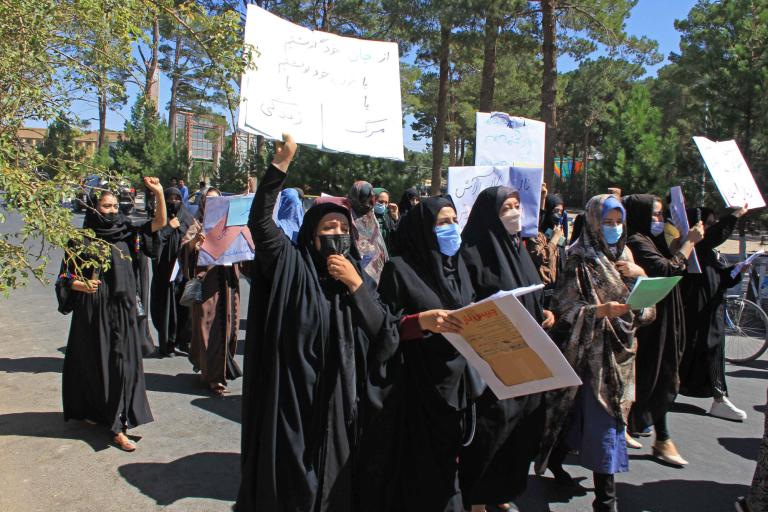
x=504 y=140
x=239 y=210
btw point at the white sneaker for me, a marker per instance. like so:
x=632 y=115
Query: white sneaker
x=726 y=410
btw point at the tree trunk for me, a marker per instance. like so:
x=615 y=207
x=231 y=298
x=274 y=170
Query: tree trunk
x=102 y=116
x=584 y=167
x=461 y=156
x=488 y=80
x=438 y=136
x=549 y=86
x=151 y=67
x=175 y=76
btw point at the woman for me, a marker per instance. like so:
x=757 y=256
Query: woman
x=215 y=321
x=290 y=213
x=409 y=199
x=437 y=387
x=595 y=330
x=168 y=316
x=387 y=215
x=660 y=344
x=547 y=250
x=702 y=368
x=494 y=468
x=318 y=339
x=103 y=379
x=367 y=235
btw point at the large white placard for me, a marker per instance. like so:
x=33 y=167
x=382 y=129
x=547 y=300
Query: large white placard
x=729 y=170
x=509 y=349
x=504 y=140
x=335 y=93
x=466 y=183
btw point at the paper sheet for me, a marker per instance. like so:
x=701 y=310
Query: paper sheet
x=239 y=210
x=223 y=245
x=504 y=140
x=680 y=220
x=740 y=266
x=527 y=181
x=509 y=349
x=649 y=291
x=729 y=170
x=466 y=183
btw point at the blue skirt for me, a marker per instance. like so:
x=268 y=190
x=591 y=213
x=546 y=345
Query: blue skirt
x=597 y=436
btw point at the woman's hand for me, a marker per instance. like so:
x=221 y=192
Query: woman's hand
x=696 y=233
x=549 y=319
x=629 y=269
x=154 y=186
x=439 y=321
x=741 y=211
x=174 y=223
x=199 y=239
x=284 y=152
x=88 y=286
x=341 y=269
x=612 y=309
x=394 y=211
x=557 y=234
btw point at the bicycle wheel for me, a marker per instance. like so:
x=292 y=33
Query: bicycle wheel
x=746 y=330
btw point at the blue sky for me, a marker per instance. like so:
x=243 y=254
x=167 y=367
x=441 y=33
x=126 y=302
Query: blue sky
x=652 y=18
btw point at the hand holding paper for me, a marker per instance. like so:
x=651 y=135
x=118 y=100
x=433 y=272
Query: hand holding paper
x=740 y=266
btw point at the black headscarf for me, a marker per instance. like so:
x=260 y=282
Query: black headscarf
x=417 y=243
x=578 y=227
x=495 y=259
x=639 y=209
x=185 y=218
x=547 y=222
x=121 y=235
x=405 y=201
x=714 y=235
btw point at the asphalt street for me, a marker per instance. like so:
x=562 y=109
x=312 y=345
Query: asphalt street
x=187 y=459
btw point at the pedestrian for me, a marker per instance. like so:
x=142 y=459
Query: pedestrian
x=368 y=237
x=595 y=329
x=387 y=214
x=409 y=199
x=547 y=249
x=702 y=368
x=215 y=321
x=184 y=192
x=170 y=318
x=103 y=377
x=493 y=469
x=317 y=340
x=660 y=344
x=430 y=414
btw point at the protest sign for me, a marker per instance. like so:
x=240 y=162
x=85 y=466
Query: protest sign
x=680 y=220
x=527 y=182
x=509 y=349
x=730 y=173
x=224 y=243
x=331 y=92
x=504 y=140
x=649 y=291
x=466 y=183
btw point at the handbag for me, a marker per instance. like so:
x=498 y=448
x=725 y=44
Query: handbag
x=193 y=292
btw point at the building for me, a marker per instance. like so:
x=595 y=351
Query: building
x=88 y=141
x=203 y=134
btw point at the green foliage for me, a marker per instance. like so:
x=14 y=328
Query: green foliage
x=232 y=175
x=59 y=144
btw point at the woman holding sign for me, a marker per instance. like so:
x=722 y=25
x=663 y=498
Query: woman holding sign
x=494 y=468
x=660 y=344
x=595 y=329
x=215 y=321
x=316 y=358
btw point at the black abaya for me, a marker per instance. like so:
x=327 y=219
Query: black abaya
x=103 y=378
x=415 y=468
x=660 y=344
x=494 y=467
x=315 y=369
x=702 y=368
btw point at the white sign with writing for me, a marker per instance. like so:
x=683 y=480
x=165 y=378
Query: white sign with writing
x=504 y=140
x=335 y=93
x=466 y=183
x=729 y=170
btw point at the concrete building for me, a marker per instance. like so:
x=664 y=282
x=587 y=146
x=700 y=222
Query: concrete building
x=88 y=141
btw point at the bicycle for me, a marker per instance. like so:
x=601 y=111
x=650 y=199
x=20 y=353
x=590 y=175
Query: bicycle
x=746 y=323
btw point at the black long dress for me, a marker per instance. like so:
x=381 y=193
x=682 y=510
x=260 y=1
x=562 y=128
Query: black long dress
x=168 y=316
x=660 y=344
x=417 y=468
x=494 y=467
x=315 y=363
x=702 y=368
x=103 y=378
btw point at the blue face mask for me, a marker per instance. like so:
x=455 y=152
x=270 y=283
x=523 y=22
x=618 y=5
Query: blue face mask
x=448 y=238
x=612 y=234
x=657 y=228
x=379 y=209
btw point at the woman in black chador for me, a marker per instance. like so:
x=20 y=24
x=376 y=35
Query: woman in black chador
x=103 y=379
x=316 y=348
x=168 y=316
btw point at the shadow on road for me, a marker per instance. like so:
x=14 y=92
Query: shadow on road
x=688 y=409
x=677 y=495
x=228 y=407
x=746 y=447
x=52 y=425
x=32 y=365
x=182 y=383
x=748 y=374
x=202 y=475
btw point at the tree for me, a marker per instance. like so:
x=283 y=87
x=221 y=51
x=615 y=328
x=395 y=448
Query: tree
x=60 y=144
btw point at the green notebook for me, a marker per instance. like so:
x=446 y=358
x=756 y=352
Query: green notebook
x=651 y=290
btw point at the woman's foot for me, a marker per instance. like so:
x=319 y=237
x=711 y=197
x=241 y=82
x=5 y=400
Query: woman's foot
x=219 y=389
x=631 y=443
x=667 y=451
x=121 y=441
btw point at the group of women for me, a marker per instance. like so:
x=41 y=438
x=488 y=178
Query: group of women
x=353 y=398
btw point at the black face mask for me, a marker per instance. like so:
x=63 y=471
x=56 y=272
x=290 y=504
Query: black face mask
x=107 y=220
x=335 y=244
x=173 y=207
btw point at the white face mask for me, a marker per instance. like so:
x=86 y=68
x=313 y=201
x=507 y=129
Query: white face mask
x=512 y=221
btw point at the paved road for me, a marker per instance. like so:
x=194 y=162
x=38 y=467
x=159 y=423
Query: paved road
x=187 y=459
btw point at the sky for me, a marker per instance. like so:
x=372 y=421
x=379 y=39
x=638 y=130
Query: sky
x=652 y=18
